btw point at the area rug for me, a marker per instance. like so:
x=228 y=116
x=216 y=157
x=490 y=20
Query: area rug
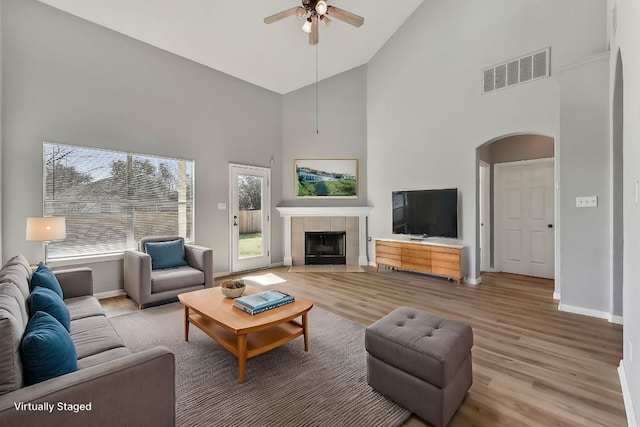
x=326 y=386
x=325 y=269
x=264 y=279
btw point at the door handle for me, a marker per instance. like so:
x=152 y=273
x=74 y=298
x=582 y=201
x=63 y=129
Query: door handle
x=235 y=220
x=549 y=225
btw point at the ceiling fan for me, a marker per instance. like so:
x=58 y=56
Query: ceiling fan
x=313 y=11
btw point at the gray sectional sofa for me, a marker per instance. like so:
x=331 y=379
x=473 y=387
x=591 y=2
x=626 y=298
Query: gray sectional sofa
x=119 y=387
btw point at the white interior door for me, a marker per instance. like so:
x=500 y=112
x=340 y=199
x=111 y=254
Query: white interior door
x=249 y=217
x=524 y=217
x=485 y=216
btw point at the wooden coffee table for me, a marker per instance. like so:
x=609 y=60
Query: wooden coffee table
x=244 y=335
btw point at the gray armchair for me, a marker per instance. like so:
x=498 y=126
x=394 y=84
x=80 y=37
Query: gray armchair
x=145 y=285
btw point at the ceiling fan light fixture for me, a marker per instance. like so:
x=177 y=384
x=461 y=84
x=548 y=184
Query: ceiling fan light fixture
x=321 y=7
x=325 y=20
x=306 y=27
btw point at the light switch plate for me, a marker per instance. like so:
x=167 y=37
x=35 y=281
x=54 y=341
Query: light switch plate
x=222 y=206
x=587 y=202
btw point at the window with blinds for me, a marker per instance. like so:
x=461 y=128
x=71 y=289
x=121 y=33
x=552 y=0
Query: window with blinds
x=112 y=199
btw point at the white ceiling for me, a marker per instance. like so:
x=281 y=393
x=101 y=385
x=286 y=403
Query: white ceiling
x=230 y=36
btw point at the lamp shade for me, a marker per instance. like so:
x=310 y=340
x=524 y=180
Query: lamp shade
x=41 y=229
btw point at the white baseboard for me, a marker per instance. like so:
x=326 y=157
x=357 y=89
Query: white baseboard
x=110 y=294
x=626 y=395
x=276 y=264
x=589 y=312
x=221 y=273
x=556 y=296
x=618 y=320
x=583 y=311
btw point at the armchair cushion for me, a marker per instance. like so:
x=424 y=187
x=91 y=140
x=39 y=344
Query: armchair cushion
x=175 y=278
x=166 y=254
x=44 y=277
x=44 y=299
x=47 y=350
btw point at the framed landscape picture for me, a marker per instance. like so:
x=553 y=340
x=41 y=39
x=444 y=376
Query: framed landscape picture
x=326 y=178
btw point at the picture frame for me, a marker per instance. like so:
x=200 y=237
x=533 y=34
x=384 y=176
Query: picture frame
x=325 y=178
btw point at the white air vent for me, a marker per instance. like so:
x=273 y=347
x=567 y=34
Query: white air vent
x=527 y=68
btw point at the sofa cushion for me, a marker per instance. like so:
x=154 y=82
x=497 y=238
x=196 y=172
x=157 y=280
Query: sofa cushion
x=44 y=277
x=13 y=320
x=93 y=335
x=103 y=357
x=44 y=299
x=12 y=292
x=47 y=350
x=85 y=306
x=168 y=254
x=17 y=271
x=175 y=278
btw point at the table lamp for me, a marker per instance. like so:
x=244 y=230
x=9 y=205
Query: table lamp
x=46 y=229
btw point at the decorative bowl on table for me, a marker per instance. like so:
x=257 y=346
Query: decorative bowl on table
x=232 y=288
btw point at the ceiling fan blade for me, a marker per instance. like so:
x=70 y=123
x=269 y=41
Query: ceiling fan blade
x=343 y=15
x=298 y=10
x=313 y=35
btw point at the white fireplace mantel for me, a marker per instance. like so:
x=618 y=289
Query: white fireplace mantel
x=287 y=212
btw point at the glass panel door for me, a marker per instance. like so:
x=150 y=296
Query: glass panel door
x=249 y=217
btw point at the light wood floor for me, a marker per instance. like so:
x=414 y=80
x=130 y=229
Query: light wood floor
x=532 y=365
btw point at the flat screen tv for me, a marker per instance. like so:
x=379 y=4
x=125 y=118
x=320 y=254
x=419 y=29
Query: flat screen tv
x=428 y=213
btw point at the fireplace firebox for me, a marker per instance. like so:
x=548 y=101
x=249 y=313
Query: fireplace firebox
x=325 y=247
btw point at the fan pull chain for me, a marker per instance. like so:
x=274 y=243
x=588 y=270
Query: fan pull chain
x=317 y=126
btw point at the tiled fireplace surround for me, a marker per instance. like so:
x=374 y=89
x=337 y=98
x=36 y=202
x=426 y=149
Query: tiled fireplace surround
x=351 y=220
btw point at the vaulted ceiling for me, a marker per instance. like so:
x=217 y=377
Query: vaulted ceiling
x=230 y=35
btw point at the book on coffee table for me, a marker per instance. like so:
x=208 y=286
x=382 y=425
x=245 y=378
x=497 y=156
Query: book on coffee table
x=260 y=310
x=262 y=301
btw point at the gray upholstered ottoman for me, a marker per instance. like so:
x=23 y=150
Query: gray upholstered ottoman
x=420 y=361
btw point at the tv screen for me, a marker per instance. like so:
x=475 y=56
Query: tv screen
x=430 y=213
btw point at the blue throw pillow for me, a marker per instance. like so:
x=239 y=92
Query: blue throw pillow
x=47 y=350
x=166 y=254
x=44 y=277
x=44 y=299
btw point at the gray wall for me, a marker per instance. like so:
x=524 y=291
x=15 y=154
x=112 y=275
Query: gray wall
x=70 y=81
x=342 y=130
x=627 y=41
x=584 y=158
x=426 y=114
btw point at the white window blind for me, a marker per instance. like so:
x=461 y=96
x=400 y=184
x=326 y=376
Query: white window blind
x=112 y=199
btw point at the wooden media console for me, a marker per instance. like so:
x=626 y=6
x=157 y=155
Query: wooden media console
x=439 y=259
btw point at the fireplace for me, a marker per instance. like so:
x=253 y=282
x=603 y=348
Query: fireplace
x=349 y=219
x=325 y=247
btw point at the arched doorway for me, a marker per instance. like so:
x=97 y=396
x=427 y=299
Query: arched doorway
x=528 y=159
x=617 y=206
